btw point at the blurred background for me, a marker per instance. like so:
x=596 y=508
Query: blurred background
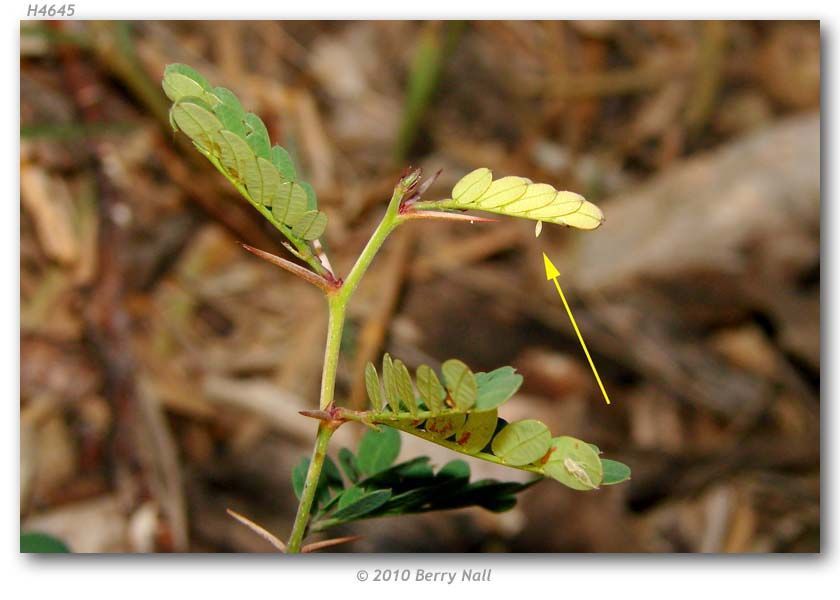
x=162 y=367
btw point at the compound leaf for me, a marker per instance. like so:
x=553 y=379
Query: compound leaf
x=238 y=144
x=519 y=197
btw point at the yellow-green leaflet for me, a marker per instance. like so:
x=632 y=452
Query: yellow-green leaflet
x=574 y=463
x=477 y=431
x=263 y=183
x=519 y=197
x=522 y=442
x=310 y=225
x=404 y=389
x=374 y=389
x=290 y=203
x=390 y=383
x=444 y=426
x=198 y=122
x=430 y=389
x=460 y=382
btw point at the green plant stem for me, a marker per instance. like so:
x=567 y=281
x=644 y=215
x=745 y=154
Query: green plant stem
x=335 y=326
x=389 y=222
x=337 y=302
x=310 y=486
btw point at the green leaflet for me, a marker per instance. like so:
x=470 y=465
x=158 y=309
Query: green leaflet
x=236 y=156
x=519 y=197
x=364 y=504
x=574 y=463
x=238 y=144
x=182 y=81
x=403 y=387
x=390 y=383
x=349 y=464
x=496 y=387
x=197 y=121
x=444 y=427
x=378 y=450
x=284 y=163
x=374 y=388
x=430 y=389
x=257 y=136
x=289 y=205
x=522 y=442
x=311 y=196
x=614 y=472
x=263 y=183
x=476 y=432
x=311 y=224
x=461 y=384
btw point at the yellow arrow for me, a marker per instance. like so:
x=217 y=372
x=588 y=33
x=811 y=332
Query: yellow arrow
x=551 y=273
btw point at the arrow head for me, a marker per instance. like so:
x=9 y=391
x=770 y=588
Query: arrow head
x=551 y=271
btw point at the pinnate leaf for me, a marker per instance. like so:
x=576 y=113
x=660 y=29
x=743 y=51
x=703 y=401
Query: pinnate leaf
x=519 y=197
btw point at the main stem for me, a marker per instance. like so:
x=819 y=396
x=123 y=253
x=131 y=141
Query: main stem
x=319 y=453
x=337 y=302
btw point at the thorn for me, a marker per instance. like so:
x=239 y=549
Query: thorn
x=292 y=268
x=551 y=271
x=444 y=216
x=259 y=530
x=321 y=415
x=329 y=543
